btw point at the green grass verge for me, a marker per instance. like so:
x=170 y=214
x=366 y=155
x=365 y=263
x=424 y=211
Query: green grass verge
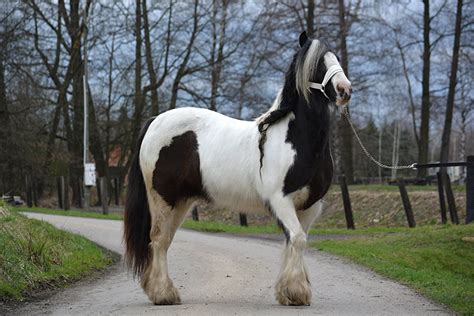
x=218 y=227
x=434 y=260
x=75 y=213
x=35 y=255
x=205 y=226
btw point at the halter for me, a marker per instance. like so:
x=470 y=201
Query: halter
x=333 y=70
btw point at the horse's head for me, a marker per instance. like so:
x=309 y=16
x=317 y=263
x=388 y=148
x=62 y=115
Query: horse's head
x=318 y=68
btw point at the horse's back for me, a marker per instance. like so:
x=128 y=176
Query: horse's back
x=204 y=153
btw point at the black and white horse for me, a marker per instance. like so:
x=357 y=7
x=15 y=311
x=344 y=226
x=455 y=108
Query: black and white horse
x=280 y=163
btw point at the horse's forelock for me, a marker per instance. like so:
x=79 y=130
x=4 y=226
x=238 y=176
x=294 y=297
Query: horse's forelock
x=306 y=65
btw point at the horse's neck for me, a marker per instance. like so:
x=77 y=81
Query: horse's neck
x=310 y=127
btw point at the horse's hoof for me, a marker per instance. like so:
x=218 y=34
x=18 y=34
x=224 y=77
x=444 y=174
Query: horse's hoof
x=171 y=297
x=162 y=293
x=294 y=292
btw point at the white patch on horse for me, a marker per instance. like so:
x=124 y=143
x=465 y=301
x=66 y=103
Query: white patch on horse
x=279 y=155
x=339 y=81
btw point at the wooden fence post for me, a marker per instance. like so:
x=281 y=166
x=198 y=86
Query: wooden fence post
x=59 y=186
x=116 y=191
x=450 y=197
x=470 y=191
x=406 y=203
x=243 y=219
x=67 y=203
x=34 y=194
x=195 y=214
x=81 y=192
x=347 y=203
x=29 y=197
x=442 y=202
x=104 y=195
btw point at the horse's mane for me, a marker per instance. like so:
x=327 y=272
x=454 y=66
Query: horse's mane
x=302 y=70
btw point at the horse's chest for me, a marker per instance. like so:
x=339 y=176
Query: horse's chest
x=307 y=183
x=300 y=197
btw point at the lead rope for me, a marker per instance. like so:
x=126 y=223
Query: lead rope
x=346 y=115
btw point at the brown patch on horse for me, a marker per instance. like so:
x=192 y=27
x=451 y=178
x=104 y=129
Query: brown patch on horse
x=177 y=174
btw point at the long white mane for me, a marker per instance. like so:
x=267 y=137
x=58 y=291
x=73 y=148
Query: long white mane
x=306 y=67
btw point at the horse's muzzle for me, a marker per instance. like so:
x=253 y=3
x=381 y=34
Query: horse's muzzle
x=344 y=92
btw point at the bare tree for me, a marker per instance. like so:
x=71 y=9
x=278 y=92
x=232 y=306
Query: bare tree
x=344 y=130
x=155 y=82
x=183 y=68
x=217 y=50
x=446 y=138
x=138 y=102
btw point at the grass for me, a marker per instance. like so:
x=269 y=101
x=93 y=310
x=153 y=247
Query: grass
x=434 y=260
x=205 y=226
x=35 y=255
x=74 y=213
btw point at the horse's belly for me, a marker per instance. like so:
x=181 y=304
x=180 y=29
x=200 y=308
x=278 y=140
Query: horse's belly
x=241 y=205
x=234 y=192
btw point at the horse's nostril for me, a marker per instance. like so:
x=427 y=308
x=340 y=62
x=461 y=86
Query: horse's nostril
x=340 y=89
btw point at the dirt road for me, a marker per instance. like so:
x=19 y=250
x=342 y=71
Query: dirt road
x=221 y=275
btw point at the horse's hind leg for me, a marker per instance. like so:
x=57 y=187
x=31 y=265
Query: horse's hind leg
x=293 y=286
x=165 y=221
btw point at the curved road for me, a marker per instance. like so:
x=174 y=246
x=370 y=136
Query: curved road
x=219 y=275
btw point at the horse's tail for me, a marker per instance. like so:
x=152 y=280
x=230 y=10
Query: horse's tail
x=137 y=219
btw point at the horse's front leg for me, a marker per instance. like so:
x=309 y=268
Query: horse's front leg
x=293 y=287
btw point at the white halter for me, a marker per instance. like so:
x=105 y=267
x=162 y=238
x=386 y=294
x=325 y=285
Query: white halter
x=329 y=74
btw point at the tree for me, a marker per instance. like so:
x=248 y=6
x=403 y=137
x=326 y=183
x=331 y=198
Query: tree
x=155 y=82
x=344 y=129
x=73 y=120
x=138 y=102
x=425 y=99
x=217 y=50
x=446 y=138
x=183 y=68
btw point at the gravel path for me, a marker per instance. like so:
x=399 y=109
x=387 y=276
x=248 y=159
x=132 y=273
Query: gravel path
x=223 y=275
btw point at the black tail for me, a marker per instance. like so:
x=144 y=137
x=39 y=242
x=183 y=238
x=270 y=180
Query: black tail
x=137 y=220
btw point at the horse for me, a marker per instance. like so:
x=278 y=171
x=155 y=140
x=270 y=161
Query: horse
x=279 y=163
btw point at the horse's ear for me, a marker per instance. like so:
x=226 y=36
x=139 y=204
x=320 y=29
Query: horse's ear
x=303 y=38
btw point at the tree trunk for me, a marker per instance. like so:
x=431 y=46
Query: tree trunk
x=138 y=99
x=183 y=67
x=216 y=61
x=395 y=148
x=445 y=140
x=6 y=171
x=379 y=169
x=75 y=163
x=149 y=62
x=425 y=99
x=310 y=19
x=345 y=135
x=95 y=139
x=5 y=131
